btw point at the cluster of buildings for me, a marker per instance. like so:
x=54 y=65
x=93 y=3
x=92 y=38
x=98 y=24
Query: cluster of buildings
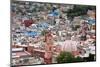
x=40 y=31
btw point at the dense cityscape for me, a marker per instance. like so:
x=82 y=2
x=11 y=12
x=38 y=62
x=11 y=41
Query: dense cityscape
x=50 y=33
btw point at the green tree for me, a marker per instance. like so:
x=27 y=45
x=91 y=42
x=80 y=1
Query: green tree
x=65 y=57
x=79 y=10
x=78 y=59
x=90 y=58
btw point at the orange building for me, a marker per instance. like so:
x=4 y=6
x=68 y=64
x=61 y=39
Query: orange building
x=48 y=48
